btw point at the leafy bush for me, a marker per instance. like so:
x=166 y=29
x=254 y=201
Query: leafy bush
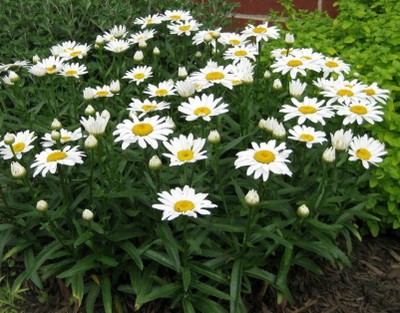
x=365 y=35
x=94 y=158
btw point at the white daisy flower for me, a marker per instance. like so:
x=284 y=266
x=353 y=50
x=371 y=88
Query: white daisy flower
x=142 y=36
x=185 y=149
x=341 y=139
x=344 y=92
x=281 y=52
x=96 y=126
x=233 y=39
x=264 y=158
x=307 y=109
x=117 y=45
x=204 y=107
x=70 y=49
x=202 y=36
x=138 y=74
x=294 y=65
x=184 y=27
x=103 y=92
x=334 y=65
x=73 y=70
x=238 y=53
x=184 y=201
x=307 y=134
x=211 y=75
x=243 y=71
x=176 y=15
x=47 y=160
x=147 y=106
x=37 y=70
x=367 y=150
x=185 y=88
x=51 y=64
x=307 y=54
x=148 y=20
x=376 y=93
x=10 y=78
x=145 y=132
x=261 y=32
x=6 y=67
x=116 y=32
x=163 y=89
x=66 y=136
x=360 y=111
x=21 y=145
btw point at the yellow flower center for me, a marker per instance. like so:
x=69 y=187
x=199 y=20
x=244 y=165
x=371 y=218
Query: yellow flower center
x=240 y=53
x=51 y=69
x=75 y=53
x=148 y=107
x=102 y=93
x=345 y=92
x=202 y=111
x=237 y=82
x=185 y=155
x=215 y=76
x=359 y=109
x=264 y=156
x=175 y=17
x=294 y=63
x=306 y=137
x=56 y=156
x=161 y=92
x=65 y=138
x=149 y=21
x=331 y=64
x=234 y=42
x=138 y=76
x=259 y=30
x=369 y=92
x=142 y=129
x=71 y=72
x=184 y=28
x=18 y=147
x=184 y=206
x=307 y=109
x=363 y=154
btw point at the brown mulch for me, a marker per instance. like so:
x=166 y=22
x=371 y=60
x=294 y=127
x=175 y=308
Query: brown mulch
x=371 y=285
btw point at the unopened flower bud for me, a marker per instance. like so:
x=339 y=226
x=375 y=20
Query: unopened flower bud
x=115 y=86
x=156 y=51
x=9 y=139
x=289 y=39
x=356 y=74
x=91 y=142
x=87 y=215
x=182 y=73
x=90 y=110
x=97 y=47
x=42 y=206
x=207 y=38
x=214 y=137
x=279 y=131
x=262 y=124
x=303 y=211
x=14 y=77
x=277 y=84
x=252 y=198
x=138 y=56
x=17 y=170
x=99 y=40
x=35 y=59
x=216 y=35
x=329 y=155
x=56 y=124
x=55 y=135
x=142 y=44
x=155 y=163
x=198 y=54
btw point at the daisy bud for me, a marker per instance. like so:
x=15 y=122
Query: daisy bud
x=182 y=73
x=156 y=51
x=208 y=38
x=9 y=139
x=262 y=124
x=296 y=88
x=13 y=76
x=216 y=35
x=96 y=46
x=55 y=135
x=289 y=39
x=91 y=142
x=171 y=122
x=198 y=54
x=277 y=84
x=329 y=155
x=279 y=131
x=99 y=40
x=214 y=137
x=87 y=215
x=155 y=163
x=17 y=170
x=267 y=74
x=115 y=86
x=142 y=44
x=56 y=124
x=35 y=59
x=252 y=198
x=90 y=110
x=356 y=74
x=138 y=56
x=303 y=211
x=42 y=206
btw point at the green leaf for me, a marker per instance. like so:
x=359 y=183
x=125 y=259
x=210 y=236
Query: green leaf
x=235 y=285
x=186 y=277
x=187 y=306
x=349 y=39
x=167 y=291
x=159 y=258
x=78 y=287
x=133 y=253
x=207 y=271
x=284 y=267
x=93 y=292
x=209 y=290
x=347 y=24
x=86 y=264
x=309 y=264
x=106 y=293
x=263 y=275
x=42 y=257
x=205 y=305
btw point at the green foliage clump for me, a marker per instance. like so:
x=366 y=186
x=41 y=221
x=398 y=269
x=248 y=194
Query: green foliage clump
x=366 y=35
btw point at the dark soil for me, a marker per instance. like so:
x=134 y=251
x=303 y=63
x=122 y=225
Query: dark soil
x=371 y=285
